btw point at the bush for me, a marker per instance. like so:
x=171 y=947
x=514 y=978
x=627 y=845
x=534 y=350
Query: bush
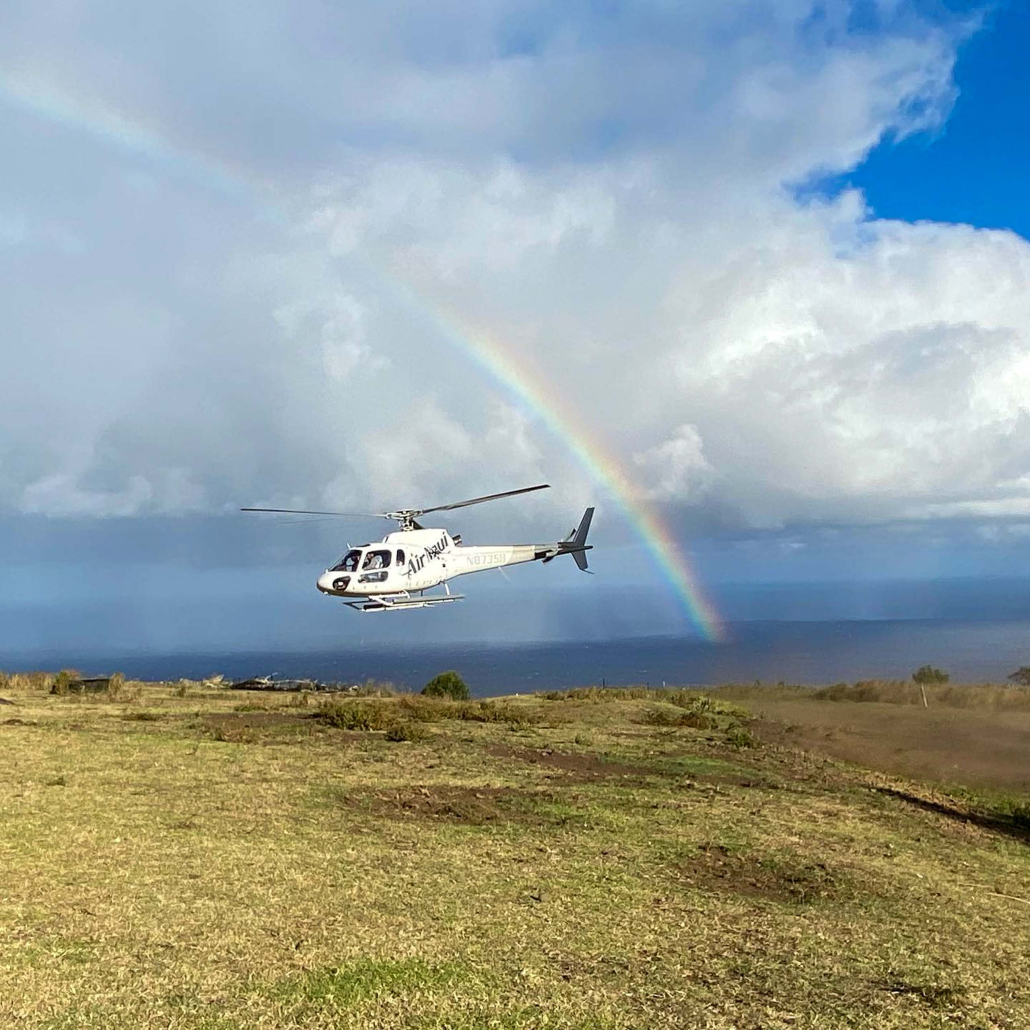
x=432 y=709
x=741 y=737
x=928 y=674
x=663 y=717
x=358 y=715
x=63 y=681
x=1020 y=814
x=424 y=709
x=447 y=684
x=413 y=731
x=1021 y=676
x=121 y=689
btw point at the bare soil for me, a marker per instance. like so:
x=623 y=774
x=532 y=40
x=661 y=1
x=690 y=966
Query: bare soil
x=264 y=727
x=979 y=748
x=473 y=806
x=720 y=869
x=577 y=768
x=255 y=720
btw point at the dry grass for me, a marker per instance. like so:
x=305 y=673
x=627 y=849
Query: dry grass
x=577 y=868
x=988 y=696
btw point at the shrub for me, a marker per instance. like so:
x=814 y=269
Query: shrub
x=496 y=711
x=891 y=691
x=357 y=715
x=433 y=709
x=741 y=736
x=928 y=674
x=121 y=689
x=663 y=717
x=424 y=709
x=1020 y=814
x=413 y=731
x=447 y=684
x=1021 y=676
x=64 y=680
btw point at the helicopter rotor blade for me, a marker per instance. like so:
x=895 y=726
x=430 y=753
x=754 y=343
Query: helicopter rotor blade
x=480 y=500
x=331 y=514
x=406 y=516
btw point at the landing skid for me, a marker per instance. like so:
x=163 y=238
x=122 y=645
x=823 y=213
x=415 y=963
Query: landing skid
x=401 y=602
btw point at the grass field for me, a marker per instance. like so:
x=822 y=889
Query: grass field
x=195 y=857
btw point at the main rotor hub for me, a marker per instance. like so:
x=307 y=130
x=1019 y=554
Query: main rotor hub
x=406 y=518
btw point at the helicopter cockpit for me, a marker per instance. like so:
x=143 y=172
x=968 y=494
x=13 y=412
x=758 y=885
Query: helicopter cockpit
x=369 y=559
x=348 y=563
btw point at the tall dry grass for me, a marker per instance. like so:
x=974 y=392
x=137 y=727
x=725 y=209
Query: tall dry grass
x=985 y=696
x=36 y=680
x=994 y=696
x=693 y=701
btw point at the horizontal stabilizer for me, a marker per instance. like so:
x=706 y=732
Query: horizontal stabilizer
x=575 y=543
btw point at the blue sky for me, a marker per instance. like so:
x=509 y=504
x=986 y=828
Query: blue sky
x=229 y=240
x=974 y=167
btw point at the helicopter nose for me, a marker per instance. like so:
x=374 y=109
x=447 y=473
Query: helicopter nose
x=331 y=583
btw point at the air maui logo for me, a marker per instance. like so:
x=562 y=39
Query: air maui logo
x=432 y=551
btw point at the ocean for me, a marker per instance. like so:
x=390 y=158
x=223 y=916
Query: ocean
x=792 y=652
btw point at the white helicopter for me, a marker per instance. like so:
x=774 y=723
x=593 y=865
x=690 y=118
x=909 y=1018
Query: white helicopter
x=394 y=574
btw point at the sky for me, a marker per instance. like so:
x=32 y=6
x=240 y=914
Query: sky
x=750 y=277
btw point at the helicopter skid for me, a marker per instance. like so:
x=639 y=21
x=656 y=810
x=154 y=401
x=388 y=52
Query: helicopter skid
x=389 y=604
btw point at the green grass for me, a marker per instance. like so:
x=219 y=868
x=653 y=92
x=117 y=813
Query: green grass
x=526 y=863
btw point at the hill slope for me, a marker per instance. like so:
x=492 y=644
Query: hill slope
x=631 y=859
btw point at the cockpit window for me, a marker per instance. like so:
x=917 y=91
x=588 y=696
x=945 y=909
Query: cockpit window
x=376 y=560
x=348 y=563
x=400 y=557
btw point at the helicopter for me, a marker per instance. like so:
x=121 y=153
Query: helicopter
x=394 y=574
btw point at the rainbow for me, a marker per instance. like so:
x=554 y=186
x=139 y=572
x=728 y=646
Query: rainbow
x=132 y=136
x=530 y=390
x=534 y=393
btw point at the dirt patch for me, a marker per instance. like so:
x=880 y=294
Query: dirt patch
x=18 y=722
x=684 y=766
x=718 y=868
x=259 y=727
x=577 y=768
x=256 y=720
x=472 y=806
x=977 y=748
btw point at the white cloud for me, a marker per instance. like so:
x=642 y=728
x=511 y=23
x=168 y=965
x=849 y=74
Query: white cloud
x=342 y=332
x=676 y=468
x=60 y=494
x=606 y=195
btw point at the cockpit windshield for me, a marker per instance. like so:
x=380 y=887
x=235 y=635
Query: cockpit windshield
x=349 y=563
